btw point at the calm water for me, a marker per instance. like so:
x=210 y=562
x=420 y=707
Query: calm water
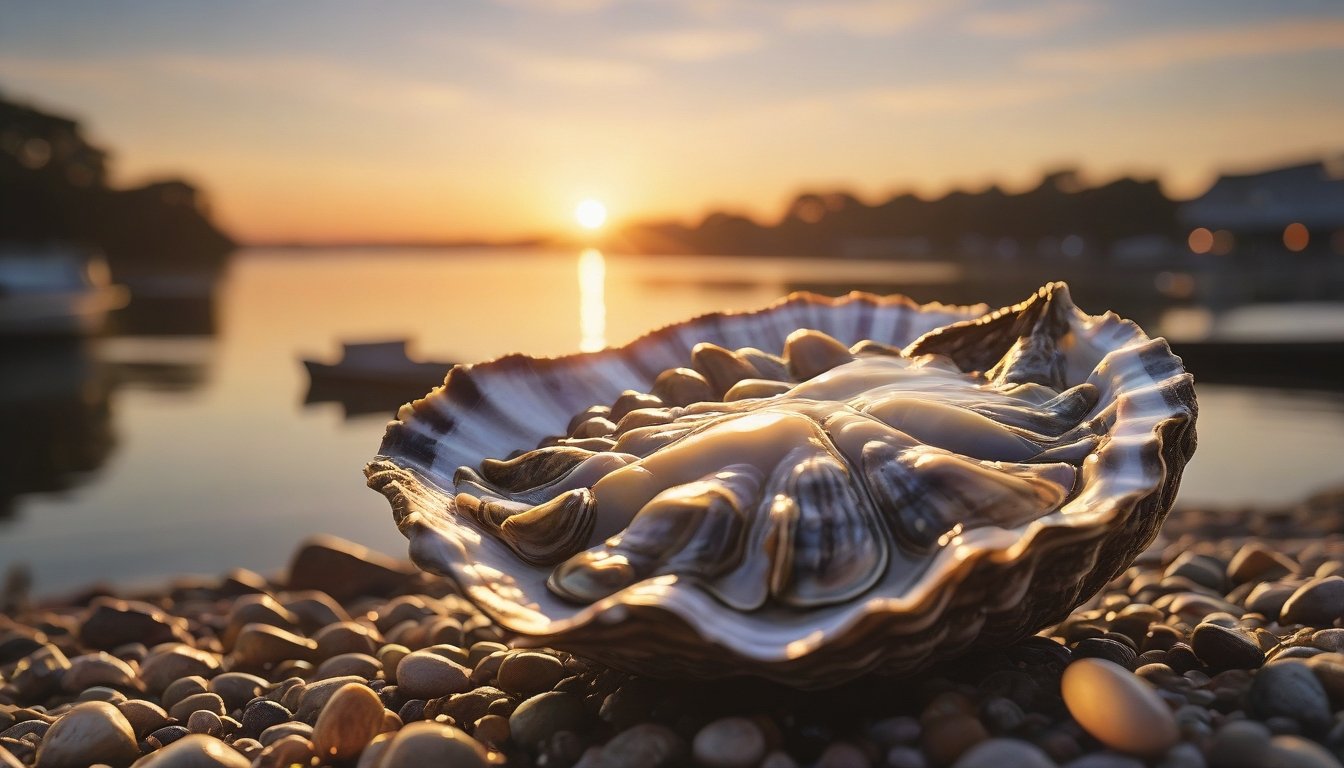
x=141 y=457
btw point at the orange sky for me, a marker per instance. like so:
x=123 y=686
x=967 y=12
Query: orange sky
x=330 y=122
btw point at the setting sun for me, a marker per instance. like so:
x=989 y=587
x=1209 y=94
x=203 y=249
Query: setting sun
x=590 y=214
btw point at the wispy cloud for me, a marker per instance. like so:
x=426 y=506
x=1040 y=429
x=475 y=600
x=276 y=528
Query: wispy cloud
x=696 y=44
x=864 y=18
x=300 y=76
x=1161 y=51
x=572 y=71
x=1030 y=21
x=955 y=98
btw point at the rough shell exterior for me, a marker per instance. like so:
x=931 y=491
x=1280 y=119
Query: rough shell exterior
x=990 y=585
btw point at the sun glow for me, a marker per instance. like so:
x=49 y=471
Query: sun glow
x=590 y=214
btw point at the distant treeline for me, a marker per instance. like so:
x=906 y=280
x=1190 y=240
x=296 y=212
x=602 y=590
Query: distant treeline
x=836 y=222
x=53 y=188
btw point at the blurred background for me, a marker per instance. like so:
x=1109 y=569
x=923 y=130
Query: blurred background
x=234 y=237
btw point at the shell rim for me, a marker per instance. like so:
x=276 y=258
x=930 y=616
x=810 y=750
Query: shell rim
x=934 y=585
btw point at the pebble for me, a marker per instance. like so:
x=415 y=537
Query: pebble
x=1240 y=744
x=345 y=570
x=205 y=721
x=946 y=738
x=1319 y=603
x=427 y=675
x=1297 y=752
x=1290 y=689
x=1254 y=562
x=195 y=751
x=259 y=645
x=286 y=752
x=144 y=716
x=96 y=669
x=840 y=754
x=113 y=622
x=237 y=688
x=92 y=732
x=1004 y=753
x=645 y=744
x=732 y=742
x=1117 y=708
x=164 y=667
x=352 y=717
x=529 y=672
x=209 y=702
x=1224 y=648
x=344 y=664
x=426 y=744
x=262 y=714
x=540 y=717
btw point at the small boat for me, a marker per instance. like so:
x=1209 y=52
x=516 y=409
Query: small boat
x=55 y=290
x=372 y=376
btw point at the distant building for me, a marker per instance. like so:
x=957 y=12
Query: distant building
x=1299 y=206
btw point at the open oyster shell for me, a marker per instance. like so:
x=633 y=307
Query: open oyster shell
x=890 y=486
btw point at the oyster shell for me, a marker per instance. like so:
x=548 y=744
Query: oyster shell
x=808 y=492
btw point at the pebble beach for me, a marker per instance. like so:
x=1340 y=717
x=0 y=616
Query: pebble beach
x=1221 y=646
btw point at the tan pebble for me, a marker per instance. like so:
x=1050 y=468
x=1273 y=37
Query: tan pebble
x=249 y=747
x=166 y=664
x=210 y=702
x=352 y=717
x=492 y=731
x=315 y=608
x=391 y=721
x=526 y=673
x=425 y=743
x=256 y=609
x=427 y=675
x=1117 y=708
x=286 y=752
x=195 y=751
x=237 y=688
x=357 y=664
x=181 y=689
x=284 y=731
x=314 y=696
x=99 y=668
x=36 y=674
x=259 y=645
x=372 y=756
x=345 y=637
x=94 y=731
x=144 y=716
x=390 y=655
x=205 y=721
x=480 y=650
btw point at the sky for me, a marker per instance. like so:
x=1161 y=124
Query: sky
x=330 y=121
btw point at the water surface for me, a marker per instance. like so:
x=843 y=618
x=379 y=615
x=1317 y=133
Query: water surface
x=141 y=457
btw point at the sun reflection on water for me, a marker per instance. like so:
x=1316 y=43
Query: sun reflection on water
x=592 y=300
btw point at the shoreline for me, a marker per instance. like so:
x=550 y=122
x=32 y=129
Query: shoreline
x=1224 y=639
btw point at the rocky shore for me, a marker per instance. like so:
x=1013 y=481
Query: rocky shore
x=1223 y=646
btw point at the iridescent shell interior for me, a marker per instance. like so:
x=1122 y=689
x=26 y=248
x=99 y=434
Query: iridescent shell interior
x=809 y=492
